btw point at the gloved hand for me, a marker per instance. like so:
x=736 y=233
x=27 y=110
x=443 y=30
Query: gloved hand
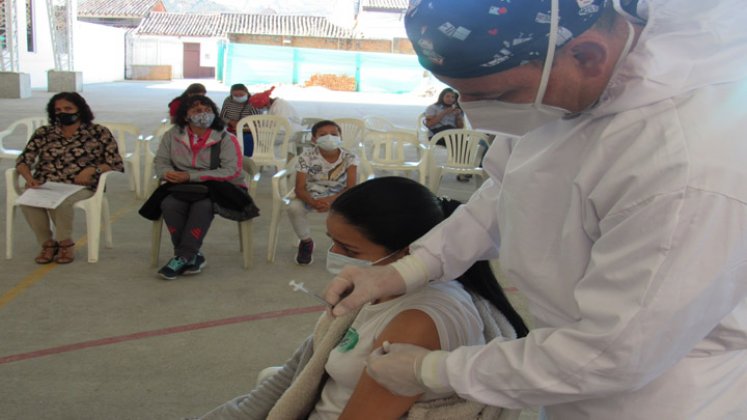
x=356 y=286
x=399 y=368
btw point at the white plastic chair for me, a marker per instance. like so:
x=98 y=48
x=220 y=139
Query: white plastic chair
x=245 y=242
x=389 y=152
x=421 y=128
x=96 y=209
x=283 y=192
x=265 y=130
x=29 y=124
x=147 y=145
x=304 y=137
x=131 y=157
x=462 y=155
x=353 y=130
x=373 y=122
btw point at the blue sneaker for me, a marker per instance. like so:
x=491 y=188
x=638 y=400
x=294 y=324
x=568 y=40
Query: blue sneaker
x=196 y=264
x=173 y=268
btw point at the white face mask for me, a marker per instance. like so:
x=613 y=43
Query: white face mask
x=509 y=118
x=336 y=262
x=240 y=99
x=519 y=119
x=329 y=142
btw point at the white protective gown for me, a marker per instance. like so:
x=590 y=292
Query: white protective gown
x=626 y=229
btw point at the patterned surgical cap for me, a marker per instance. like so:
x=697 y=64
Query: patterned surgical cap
x=470 y=38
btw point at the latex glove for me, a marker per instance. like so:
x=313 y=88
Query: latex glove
x=356 y=286
x=397 y=368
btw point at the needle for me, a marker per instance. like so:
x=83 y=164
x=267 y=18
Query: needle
x=300 y=287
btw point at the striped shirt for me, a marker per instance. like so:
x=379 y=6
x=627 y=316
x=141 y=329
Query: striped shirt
x=232 y=110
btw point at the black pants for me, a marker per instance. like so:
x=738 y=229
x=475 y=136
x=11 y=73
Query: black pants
x=187 y=223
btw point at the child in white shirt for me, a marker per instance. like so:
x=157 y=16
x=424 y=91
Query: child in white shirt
x=322 y=174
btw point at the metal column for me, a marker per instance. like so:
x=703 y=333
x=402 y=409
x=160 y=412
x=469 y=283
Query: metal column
x=61 y=14
x=9 y=34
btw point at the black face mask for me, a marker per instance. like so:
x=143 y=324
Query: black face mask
x=67 y=119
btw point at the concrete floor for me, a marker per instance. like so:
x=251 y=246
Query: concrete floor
x=111 y=340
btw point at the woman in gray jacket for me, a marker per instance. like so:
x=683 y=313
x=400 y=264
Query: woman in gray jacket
x=196 y=151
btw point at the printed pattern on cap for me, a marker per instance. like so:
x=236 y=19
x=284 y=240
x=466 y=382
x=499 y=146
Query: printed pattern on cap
x=472 y=38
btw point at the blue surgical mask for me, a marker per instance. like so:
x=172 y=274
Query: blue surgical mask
x=203 y=119
x=240 y=99
x=336 y=262
x=329 y=142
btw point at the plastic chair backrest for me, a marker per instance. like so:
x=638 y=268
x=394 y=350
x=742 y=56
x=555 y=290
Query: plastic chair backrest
x=352 y=132
x=265 y=129
x=390 y=147
x=421 y=128
x=29 y=124
x=162 y=129
x=377 y=123
x=309 y=122
x=462 y=146
x=121 y=131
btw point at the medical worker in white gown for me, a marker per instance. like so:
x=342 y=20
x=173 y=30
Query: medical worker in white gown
x=621 y=213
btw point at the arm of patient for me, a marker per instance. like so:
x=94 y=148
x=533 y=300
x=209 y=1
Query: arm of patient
x=412 y=327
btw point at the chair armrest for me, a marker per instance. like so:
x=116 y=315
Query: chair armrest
x=279 y=184
x=101 y=187
x=12 y=186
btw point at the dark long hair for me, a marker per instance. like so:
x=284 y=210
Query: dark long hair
x=394 y=211
x=181 y=114
x=191 y=90
x=84 y=111
x=443 y=93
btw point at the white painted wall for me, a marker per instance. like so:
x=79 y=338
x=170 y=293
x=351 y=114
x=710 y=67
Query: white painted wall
x=155 y=50
x=381 y=25
x=36 y=63
x=98 y=54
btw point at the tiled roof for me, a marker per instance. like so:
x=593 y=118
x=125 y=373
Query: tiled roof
x=202 y=25
x=180 y=24
x=393 y=5
x=291 y=25
x=115 y=8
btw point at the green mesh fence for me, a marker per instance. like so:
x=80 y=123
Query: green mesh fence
x=370 y=72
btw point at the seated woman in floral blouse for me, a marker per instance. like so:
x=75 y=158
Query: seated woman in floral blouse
x=72 y=150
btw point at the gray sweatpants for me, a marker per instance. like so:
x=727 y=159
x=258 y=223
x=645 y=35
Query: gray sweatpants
x=187 y=223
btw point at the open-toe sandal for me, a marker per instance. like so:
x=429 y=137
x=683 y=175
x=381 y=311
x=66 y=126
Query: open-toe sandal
x=66 y=253
x=47 y=253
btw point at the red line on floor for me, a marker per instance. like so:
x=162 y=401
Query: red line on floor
x=157 y=333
